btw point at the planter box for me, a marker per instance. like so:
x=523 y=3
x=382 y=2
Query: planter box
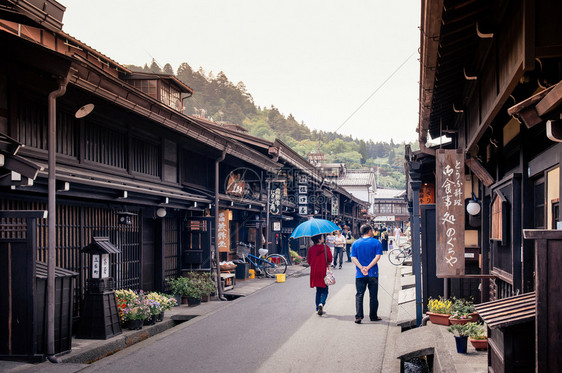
x=439 y=318
x=459 y=321
x=479 y=344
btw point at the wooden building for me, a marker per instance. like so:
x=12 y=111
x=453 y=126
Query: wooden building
x=390 y=207
x=490 y=81
x=168 y=190
x=302 y=190
x=123 y=147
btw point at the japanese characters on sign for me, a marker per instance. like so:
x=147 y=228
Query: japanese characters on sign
x=335 y=206
x=449 y=177
x=95 y=266
x=104 y=265
x=303 y=194
x=427 y=193
x=275 y=198
x=223 y=231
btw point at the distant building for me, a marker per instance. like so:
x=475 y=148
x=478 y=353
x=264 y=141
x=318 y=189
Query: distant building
x=390 y=206
x=360 y=183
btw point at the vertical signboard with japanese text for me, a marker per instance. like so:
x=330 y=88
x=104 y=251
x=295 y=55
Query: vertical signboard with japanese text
x=223 y=231
x=335 y=206
x=303 y=194
x=449 y=205
x=275 y=194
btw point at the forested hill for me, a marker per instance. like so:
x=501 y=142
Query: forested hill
x=218 y=99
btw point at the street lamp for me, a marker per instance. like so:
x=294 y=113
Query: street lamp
x=473 y=206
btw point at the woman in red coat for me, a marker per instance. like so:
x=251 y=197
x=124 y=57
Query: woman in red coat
x=316 y=258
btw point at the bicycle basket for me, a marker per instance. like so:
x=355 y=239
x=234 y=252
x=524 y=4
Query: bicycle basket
x=242 y=250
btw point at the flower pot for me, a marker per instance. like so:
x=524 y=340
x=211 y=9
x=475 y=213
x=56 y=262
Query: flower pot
x=160 y=317
x=150 y=321
x=178 y=299
x=479 y=344
x=205 y=298
x=192 y=302
x=439 y=318
x=474 y=317
x=453 y=321
x=461 y=344
x=134 y=324
x=183 y=299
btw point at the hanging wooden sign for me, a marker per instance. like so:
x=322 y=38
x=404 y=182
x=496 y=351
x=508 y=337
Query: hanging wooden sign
x=427 y=193
x=223 y=231
x=449 y=205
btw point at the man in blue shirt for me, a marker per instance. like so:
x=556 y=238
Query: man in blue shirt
x=365 y=253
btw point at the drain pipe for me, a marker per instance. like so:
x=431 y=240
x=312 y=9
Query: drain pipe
x=220 y=291
x=52 y=257
x=424 y=321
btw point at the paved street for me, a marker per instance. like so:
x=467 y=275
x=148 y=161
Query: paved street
x=274 y=329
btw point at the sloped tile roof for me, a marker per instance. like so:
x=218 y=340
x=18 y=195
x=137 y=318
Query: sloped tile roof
x=381 y=193
x=357 y=177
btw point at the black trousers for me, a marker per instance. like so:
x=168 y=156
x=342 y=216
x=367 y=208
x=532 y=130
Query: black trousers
x=361 y=284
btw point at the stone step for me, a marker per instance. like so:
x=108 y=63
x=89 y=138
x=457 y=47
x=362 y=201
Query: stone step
x=407 y=282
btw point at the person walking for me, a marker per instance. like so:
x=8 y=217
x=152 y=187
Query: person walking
x=397 y=234
x=339 y=245
x=330 y=241
x=319 y=258
x=348 y=242
x=365 y=253
x=384 y=240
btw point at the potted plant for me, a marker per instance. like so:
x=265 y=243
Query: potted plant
x=160 y=303
x=439 y=311
x=192 y=290
x=463 y=311
x=124 y=297
x=478 y=336
x=176 y=285
x=460 y=331
x=295 y=257
x=460 y=318
x=207 y=284
x=135 y=312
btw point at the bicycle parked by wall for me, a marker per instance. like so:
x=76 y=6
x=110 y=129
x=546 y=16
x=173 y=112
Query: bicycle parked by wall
x=399 y=255
x=271 y=264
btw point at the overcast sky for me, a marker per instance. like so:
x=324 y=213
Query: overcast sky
x=319 y=60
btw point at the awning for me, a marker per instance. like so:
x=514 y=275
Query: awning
x=101 y=180
x=14 y=169
x=385 y=218
x=508 y=311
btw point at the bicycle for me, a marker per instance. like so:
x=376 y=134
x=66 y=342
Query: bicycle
x=399 y=255
x=271 y=264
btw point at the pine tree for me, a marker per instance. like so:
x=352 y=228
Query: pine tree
x=168 y=69
x=154 y=67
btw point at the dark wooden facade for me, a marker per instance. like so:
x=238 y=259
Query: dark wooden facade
x=131 y=154
x=490 y=81
x=135 y=155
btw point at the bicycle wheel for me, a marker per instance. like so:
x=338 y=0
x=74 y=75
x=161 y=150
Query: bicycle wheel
x=396 y=257
x=276 y=264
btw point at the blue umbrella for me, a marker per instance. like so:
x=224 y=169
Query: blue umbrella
x=313 y=227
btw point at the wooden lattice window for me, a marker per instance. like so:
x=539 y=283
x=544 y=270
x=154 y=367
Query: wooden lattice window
x=498 y=231
x=147 y=86
x=146 y=157
x=105 y=146
x=33 y=127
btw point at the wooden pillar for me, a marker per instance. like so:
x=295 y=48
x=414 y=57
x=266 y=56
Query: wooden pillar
x=548 y=261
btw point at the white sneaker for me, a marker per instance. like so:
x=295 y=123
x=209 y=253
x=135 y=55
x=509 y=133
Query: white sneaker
x=320 y=309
